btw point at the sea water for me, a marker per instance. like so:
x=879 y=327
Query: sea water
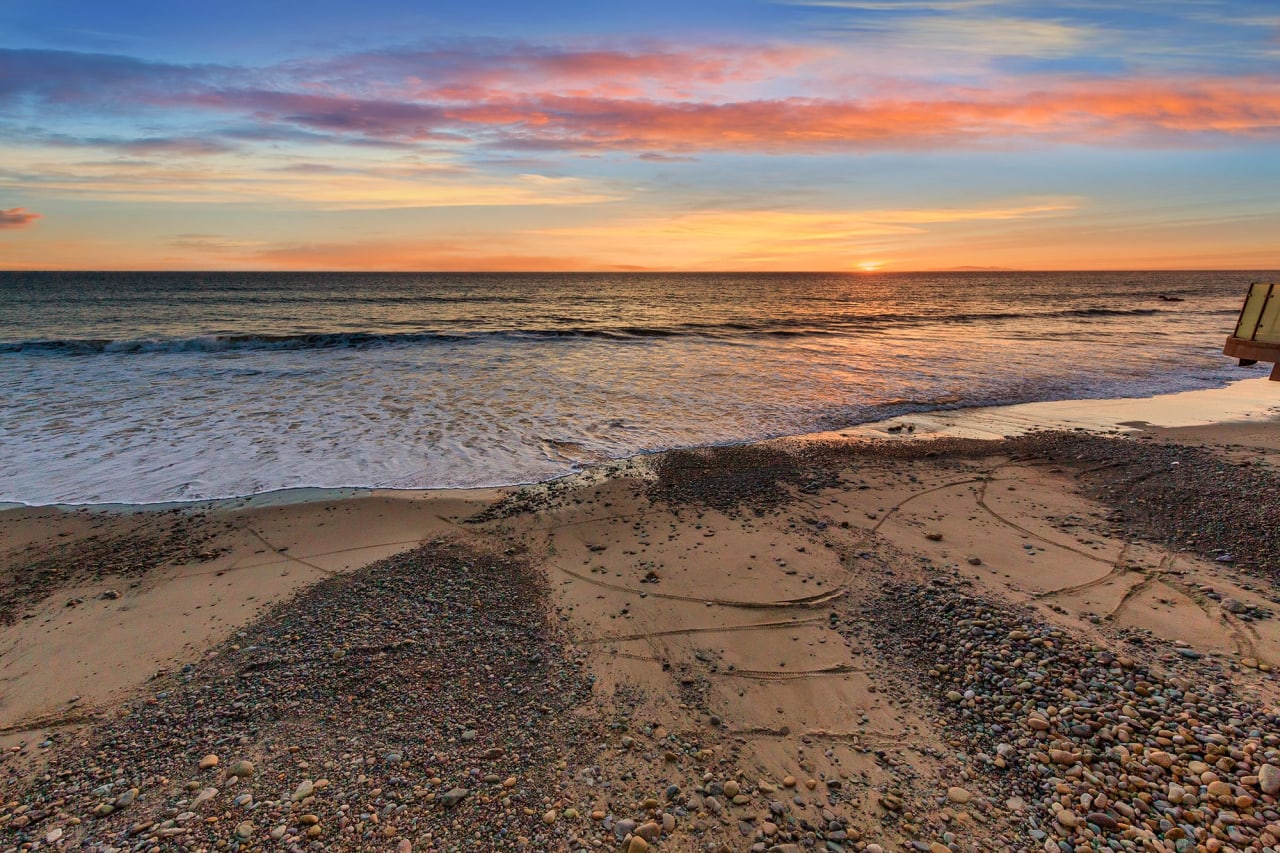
x=148 y=387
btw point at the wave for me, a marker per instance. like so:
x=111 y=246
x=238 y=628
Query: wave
x=809 y=326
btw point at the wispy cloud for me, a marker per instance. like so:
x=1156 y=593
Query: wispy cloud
x=17 y=217
x=371 y=187
x=509 y=109
x=595 y=100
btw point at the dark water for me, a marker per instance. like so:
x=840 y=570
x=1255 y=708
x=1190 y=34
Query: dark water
x=146 y=387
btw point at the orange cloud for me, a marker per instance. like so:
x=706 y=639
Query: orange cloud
x=1070 y=112
x=1074 y=111
x=17 y=217
x=496 y=95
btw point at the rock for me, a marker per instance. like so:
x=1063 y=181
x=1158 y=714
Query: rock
x=53 y=835
x=208 y=761
x=975 y=561
x=649 y=831
x=933 y=536
x=304 y=790
x=958 y=795
x=731 y=788
x=550 y=817
x=1269 y=779
x=244 y=831
x=638 y=845
x=242 y=769
x=405 y=846
x=203 y=797
x=452 y=797
x=126 y=799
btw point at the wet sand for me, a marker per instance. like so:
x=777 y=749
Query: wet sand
x=910 y=635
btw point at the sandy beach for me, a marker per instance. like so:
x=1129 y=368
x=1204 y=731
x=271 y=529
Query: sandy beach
x=1039 y=627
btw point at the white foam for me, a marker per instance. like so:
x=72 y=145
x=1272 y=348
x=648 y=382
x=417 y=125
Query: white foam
x=203 y=424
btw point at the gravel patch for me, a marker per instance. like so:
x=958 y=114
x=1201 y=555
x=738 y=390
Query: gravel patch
x=424 y=699
x=1102 y=751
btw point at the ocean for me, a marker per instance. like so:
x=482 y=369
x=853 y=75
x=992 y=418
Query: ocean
x=151 y=387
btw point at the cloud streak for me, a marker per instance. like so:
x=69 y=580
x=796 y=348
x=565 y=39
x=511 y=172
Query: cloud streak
x=629 y=101
x=17 y=217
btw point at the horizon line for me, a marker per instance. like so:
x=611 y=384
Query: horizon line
x=633 y=271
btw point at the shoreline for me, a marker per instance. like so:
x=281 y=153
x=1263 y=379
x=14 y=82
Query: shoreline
x=748 y=647
x=1241 y=401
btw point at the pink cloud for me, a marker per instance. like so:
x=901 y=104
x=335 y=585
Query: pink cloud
x=479 y=67
x=1103 y=111
x=17 y=217
x=1111 y=111
x=647 y=100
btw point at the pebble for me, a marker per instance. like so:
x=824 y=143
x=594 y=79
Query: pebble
x=241 y=769
x=203 y=797
x=1269 y=779
x=453 y=796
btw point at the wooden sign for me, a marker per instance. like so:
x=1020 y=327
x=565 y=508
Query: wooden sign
x=1257 y=334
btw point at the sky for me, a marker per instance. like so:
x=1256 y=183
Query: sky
x=834 y=135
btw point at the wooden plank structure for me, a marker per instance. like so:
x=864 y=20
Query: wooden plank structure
x=1257 y=334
